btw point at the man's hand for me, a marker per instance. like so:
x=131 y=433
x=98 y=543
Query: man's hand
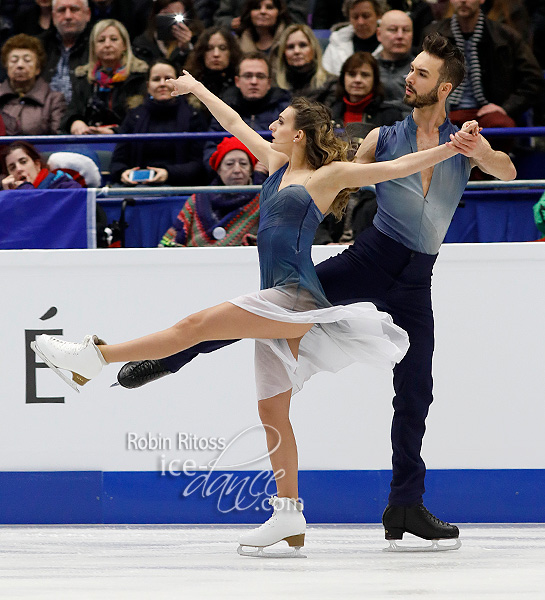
x=490 y=108
x=468 y=141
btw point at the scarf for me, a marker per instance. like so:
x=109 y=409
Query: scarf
x=354 y=111
x=106 y=77
x=300 y=77
x=472 y=61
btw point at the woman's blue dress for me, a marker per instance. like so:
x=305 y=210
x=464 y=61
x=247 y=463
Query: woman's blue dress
x=291 y=292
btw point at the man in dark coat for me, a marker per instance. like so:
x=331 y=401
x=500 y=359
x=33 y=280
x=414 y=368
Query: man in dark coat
x=503 y=76
x=252 y=97
x=67 y=45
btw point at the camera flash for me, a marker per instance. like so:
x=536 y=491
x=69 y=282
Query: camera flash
x=179 y=18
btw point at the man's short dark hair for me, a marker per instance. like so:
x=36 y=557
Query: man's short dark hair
x=256 y=55
x=453 y=69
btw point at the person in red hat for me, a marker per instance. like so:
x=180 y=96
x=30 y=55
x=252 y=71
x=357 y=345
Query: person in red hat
x=221 y=219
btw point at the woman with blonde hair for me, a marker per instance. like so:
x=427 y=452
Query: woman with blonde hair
x=297 y=331
x=297 y=65
x=112 y=82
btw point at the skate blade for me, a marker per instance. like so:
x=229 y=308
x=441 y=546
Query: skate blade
x=259 y=552
x=64 y=377
x=435 y=546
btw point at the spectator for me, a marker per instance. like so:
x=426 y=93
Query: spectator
x=229 y=12
x=34 y=108
x=67 y=44
x=395 y=34
x=206 y=11
x=503 y=78
x=23 y=167
x=221 y=219
x=177 y=162
x=360 y=95
x=327 y=14
x=132 y=13
x=214 y=61
x=512 y=13
x=252 y=97
x=34 y=20
x=112 y=82
x=174 y=39
x=360 y=35
x=421 y=15
x=298 y=65
x=261 y=24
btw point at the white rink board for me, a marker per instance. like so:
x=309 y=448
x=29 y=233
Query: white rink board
x=488 y=370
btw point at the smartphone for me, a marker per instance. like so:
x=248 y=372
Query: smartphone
x=142 y=175
x=163 y=26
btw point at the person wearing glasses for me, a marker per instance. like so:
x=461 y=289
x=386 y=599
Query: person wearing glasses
x=253 y=97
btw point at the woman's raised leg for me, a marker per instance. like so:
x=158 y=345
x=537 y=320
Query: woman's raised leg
x=222 y=322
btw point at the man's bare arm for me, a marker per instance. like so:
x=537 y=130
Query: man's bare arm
x=366 y=151
x=495 y=163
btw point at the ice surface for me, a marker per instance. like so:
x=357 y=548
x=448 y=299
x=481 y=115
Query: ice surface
x=154 y=562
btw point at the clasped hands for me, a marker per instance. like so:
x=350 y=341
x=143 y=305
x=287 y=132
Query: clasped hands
x=468 y=140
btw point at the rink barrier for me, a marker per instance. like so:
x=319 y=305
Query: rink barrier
x=212 y=135
x=128 y=497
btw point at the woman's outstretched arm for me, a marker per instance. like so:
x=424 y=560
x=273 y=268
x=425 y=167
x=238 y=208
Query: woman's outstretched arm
x=357 y=175
x=228 y=118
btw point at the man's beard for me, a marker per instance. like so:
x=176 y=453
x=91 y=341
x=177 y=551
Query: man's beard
x=423 y=100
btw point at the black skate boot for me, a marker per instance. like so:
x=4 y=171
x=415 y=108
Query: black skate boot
x=136 y=374
x=418 y=521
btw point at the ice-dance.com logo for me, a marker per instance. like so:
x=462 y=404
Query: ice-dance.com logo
x=233 y=489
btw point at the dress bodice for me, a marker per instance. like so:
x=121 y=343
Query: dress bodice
x=287 y=226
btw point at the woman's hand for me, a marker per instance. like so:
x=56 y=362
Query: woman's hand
x=125 y=176
x=9 y=183
x=161 y=175
x=183 y=85
x=182 y=35
x=80 y=128
x=101 y=130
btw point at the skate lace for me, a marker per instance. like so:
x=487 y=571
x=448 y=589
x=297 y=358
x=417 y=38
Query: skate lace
x=70 y=347
x=432 y=517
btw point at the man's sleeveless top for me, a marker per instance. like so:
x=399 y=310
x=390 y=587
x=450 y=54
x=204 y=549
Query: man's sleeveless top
x=404 y=214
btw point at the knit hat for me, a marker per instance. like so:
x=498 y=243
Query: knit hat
x=227 y=145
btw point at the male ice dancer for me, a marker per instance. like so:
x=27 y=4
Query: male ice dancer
x=391 y=264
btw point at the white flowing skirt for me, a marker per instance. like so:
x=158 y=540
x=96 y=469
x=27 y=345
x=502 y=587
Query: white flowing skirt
x=341 y=336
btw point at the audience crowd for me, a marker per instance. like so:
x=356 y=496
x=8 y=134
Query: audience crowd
x=87 y=67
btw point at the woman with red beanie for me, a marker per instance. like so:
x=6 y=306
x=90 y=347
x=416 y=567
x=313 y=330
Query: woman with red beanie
x=221 y=219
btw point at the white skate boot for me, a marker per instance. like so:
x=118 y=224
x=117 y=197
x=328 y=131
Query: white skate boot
x=286 y=524
x=84 y=360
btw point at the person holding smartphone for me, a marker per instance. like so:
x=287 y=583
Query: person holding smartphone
x=176 y=162
x=173 y=28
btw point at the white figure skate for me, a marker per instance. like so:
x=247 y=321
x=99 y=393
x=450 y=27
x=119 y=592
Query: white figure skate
x=84 y=360
x=286 y=524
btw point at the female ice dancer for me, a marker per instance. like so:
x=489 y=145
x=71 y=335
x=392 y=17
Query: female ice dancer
x=297 y=331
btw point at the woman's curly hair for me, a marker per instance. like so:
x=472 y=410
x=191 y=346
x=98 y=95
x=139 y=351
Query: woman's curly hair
x=322 y=145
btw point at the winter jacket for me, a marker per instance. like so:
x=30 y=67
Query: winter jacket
x=147 y=49
x=392 y=77
x=38 y=112
x=377 y=113
x=258 y=114
x=88 y=104
x=340 y=47
x=51 y=180
x=182 y=158
x=79 y=52
x=510 y=73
